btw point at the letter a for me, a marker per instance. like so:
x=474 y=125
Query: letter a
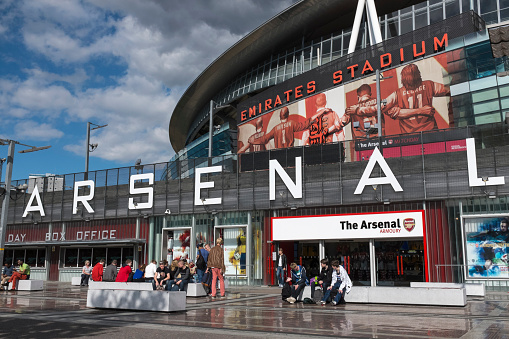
x=36 y=208
x=377 y=157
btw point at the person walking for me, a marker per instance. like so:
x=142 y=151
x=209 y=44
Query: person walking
x=201 y=262
x=216 y=264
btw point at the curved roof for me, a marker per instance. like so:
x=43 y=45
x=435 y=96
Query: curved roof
x=308 y=18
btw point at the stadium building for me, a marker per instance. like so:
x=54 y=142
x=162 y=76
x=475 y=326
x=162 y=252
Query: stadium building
x=373 y=132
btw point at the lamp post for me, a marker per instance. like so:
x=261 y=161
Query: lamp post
x=90 y=147
x=212 y=111
x=8 y=176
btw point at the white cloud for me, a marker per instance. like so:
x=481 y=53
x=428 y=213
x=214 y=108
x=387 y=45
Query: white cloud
x=31 y=130
x=158 y=47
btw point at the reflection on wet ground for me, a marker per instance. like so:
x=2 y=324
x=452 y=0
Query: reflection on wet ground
x=261 y=310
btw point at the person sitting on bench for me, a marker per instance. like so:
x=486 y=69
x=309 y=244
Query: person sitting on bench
x=340 y=282
x=23 y=274
x=182 y=277
x=298 y=280
x=325 y=277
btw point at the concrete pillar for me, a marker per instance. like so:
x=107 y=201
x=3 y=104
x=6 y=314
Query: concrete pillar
x=372 y=261
x=151 y=241
x=249 y=247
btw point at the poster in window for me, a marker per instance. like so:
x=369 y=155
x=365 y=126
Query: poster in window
x=487 y=247
x=179 y=244
x=235 y=251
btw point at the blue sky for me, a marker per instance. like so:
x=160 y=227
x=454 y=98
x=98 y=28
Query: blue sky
x=124 y=63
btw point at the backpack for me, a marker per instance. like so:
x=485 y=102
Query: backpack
x=308 y=301
x=200 y=262
x=318 y=295
x=286 y=291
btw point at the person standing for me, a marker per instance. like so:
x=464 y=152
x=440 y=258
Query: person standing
x=86 y=272
x=97 y=271
x=23 y=274
x=216 y=264
x=281 y=267
x=110 y=272
x=201 y=262
x=125 y=272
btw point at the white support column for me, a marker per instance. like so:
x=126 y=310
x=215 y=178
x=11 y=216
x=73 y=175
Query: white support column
x=249 y=247
x=375 y=34
x=372 y=261
x=373 y=22
x=192 y=250
x=356 y=26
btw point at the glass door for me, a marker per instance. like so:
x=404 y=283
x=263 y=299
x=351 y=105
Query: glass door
x=354 y=256
x=309 y=254
x=399 y=262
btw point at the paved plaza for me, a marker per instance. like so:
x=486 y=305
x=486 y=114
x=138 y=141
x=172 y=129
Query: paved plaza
x=59 y=311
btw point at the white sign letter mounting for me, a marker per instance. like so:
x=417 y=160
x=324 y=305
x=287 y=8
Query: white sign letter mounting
x=294 y=188
x=141 y=190
x=198 y=185
x=83 y=198
x=36 y=208
x=473 y=180
x=377 y=157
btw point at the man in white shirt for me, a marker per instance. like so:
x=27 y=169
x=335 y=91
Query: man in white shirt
x=281 y=267
x=340 y=282
x=150 y=271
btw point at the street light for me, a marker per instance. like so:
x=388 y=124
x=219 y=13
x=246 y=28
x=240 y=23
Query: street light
x=90 y=147
x=212 y=111
x=8 y=176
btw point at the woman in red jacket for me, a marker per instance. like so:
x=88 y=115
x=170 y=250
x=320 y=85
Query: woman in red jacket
x=97 y=271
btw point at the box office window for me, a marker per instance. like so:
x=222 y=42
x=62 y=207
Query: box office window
x=76 y=257
x=34 y=257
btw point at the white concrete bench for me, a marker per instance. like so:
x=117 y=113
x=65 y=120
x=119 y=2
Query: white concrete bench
x=76 y=281
x=111 y=285
x=305 y=293
x=28 y=285
x=195 y=290
x=407 y=296
x=158 y=301
x=477 y=290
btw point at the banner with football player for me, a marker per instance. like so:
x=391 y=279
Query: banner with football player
x=487 y=247
x=415 y=99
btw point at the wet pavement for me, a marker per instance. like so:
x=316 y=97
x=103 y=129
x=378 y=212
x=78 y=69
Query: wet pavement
x=59 y=311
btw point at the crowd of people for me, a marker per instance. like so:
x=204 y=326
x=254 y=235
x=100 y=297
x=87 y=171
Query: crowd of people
x=208 y=270
x=330 y=286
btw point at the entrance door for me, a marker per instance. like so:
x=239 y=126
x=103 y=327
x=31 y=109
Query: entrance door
x=309 y=254
x=399 y=262
x=354 y=256
x=53 y=263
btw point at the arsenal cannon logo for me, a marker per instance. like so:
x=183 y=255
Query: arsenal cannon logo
x=409 y=224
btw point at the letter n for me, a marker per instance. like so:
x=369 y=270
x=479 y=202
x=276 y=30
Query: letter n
x=294 y=188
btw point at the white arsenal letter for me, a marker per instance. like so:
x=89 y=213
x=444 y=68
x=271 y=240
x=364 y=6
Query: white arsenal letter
x=83 y=198
x=473 y=180
x=294 y=188
x=198 y=185
x=36 y=208
x=141 y=190
x=377 y=157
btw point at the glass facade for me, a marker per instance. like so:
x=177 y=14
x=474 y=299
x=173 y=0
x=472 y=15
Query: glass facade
x=76 y=256
x=34 y=257
x=306 y=55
